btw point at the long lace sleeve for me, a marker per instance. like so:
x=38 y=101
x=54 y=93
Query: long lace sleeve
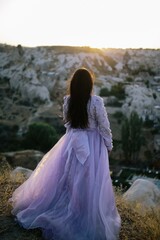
x=103 y=123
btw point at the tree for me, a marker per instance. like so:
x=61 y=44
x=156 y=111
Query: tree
x=104 y=92
x=125 y=136
x=40 y=136
x=118 y=91
x=20 y=50
x=131 y=136
x=135 y=135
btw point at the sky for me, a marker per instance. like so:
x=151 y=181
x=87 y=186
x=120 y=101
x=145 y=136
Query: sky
x=94 y=23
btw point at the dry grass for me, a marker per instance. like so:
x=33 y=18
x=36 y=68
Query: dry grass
x=138 y=223
x=9 y=229
x=135 y=224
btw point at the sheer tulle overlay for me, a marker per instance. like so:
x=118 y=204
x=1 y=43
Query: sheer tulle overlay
x=69 y=195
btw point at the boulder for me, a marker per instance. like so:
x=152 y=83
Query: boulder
x=20 y=171
x=26 y=158
x=139 y=99
x=144 y=192
x=35 y=92
x=4 y=165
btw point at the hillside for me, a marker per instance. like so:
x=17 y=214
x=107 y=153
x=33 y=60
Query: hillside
x=33 y=82
x=136 y=225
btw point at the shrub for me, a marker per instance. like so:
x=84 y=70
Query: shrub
x=104 y=92
x=131 y=135
x=119 y=116
x=115 y=103
x=118 y=91
x=136 y=223
x=148 y=155
x=9 y=141
x=148 y=123
x=40 y=136
x=129 y=79
x=154 y=95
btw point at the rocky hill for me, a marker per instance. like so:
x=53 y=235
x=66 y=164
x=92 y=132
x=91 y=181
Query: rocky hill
x=34 y=80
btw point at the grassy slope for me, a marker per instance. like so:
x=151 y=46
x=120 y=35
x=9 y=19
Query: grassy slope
x=135 y=226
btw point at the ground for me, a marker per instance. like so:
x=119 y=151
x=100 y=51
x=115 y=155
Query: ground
x=135 y=224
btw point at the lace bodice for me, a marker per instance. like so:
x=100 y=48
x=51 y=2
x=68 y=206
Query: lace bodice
x=97 y=117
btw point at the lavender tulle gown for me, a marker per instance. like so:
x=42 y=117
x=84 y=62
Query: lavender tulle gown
x=69 y=195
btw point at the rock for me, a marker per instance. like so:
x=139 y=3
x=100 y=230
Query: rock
x=139 y=99
x=4 y=165
x=33 y=92
x=34 y=77
x=119 y=66
x=25 y=172
x=144 y=192
x=114 y=80
x=27 y=158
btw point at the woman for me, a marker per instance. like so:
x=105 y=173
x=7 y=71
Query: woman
x=69 y=195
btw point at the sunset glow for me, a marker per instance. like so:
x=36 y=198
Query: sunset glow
x=103 y=23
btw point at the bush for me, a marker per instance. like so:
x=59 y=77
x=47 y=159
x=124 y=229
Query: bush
x=118 y=91
x=148 y=123
x=131 y=135
x=104 y=92
x=40 y=136
x=137 y=224
x=119 y=116
x=9 y=140
x=115 y=103
x=129 y=79
x=148 y=155
x=154 y=95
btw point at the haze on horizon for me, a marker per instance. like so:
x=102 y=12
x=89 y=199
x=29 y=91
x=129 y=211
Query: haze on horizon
x=102 y=23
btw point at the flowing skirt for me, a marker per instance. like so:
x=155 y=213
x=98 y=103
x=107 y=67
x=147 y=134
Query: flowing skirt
x=69 y=195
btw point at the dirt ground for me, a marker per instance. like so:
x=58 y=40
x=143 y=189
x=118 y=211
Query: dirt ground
x=10 y=230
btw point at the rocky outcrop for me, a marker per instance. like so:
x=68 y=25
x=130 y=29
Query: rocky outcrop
x=141 y=100
x=143 y=192
x=27 y=158
x=35 y=93
x=32 y=78
x=4 y=165
x=20 y=171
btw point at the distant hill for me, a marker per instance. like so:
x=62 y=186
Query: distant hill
x=33 y=82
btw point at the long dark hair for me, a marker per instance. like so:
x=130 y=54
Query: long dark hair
x=80 y=92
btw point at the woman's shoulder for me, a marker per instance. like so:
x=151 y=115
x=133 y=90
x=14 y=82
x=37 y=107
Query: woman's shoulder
x=96 y=99
x=66 y=97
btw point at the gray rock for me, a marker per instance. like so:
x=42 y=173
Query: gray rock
x=27 y=158
x=144 y=192
x=4 y=165
x=20 y=171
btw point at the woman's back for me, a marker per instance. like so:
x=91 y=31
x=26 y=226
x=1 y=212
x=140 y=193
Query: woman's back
x=69 y=195
x=97 y=118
